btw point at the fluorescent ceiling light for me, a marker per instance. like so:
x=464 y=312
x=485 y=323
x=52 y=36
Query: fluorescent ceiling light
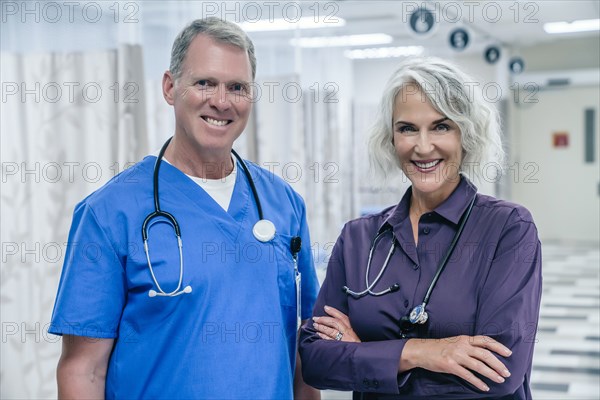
x=283 y=24
x=384 y=52
x=342 y=41
x=582 y=25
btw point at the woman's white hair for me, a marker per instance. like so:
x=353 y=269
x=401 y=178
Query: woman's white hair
x=452 y=93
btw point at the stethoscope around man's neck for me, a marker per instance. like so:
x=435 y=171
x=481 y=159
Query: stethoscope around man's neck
x=418 y=314
x=263 y=230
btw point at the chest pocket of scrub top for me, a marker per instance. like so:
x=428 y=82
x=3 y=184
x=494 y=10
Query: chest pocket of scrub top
x=286 y=275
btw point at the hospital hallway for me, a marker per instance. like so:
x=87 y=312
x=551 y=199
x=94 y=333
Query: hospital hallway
x=566 y=363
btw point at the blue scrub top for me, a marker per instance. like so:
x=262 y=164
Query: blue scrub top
x=234 y=336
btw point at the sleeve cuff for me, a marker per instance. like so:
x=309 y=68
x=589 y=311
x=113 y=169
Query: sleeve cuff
x=92 y=332
x=376 y=366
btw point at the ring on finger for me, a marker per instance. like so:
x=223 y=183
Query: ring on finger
x=339 y=336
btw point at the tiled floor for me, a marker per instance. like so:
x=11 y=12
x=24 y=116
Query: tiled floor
x=566 y=363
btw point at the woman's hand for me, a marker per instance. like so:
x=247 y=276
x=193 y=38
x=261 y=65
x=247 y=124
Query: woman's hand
x=460 y=356
x=335 y=327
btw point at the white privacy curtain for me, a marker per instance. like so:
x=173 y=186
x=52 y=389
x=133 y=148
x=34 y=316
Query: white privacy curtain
x=296 y=134
x=69 y=122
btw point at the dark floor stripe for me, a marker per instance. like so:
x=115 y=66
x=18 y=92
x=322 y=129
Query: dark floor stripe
x=576 y=353
x=557 y=257
x=551 y=387
x=597 y=338
x=586 y=296
x=577 y=275
x=560 y=283
x=563 y=317
x=586 y=306
x=572 y=370
x=548 y=329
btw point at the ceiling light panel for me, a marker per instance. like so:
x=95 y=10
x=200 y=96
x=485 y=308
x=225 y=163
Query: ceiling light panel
x=343 y=41
x=283 y=24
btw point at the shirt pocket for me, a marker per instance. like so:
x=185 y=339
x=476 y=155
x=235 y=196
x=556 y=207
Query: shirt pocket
x=286 y=277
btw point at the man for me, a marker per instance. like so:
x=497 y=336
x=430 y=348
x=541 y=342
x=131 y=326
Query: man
x=212 y=313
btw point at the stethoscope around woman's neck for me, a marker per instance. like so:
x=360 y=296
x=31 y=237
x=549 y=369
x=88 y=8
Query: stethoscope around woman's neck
x=263 y=230
x=418 y=314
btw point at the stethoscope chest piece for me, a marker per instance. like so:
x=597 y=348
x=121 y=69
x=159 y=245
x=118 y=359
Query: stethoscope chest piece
x=264 y=230
x=418 y=315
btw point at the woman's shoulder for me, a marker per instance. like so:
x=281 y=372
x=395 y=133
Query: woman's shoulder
x=494 y=207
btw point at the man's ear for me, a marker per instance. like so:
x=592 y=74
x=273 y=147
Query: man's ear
x=168 y=87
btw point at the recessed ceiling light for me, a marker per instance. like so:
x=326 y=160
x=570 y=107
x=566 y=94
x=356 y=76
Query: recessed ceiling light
x=343 y=41
x=582 y=25
x=384 y=52
x=283 y=24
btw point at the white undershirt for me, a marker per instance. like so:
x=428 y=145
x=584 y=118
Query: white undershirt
x=221 y=190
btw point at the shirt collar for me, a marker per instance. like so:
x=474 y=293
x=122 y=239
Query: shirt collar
x=451 y=209
x=455 y=205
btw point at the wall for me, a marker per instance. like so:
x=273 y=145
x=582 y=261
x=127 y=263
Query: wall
x=556 y=185
x=561 y=191
x=563 y=53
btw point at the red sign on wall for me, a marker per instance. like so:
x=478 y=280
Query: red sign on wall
x=560 y=139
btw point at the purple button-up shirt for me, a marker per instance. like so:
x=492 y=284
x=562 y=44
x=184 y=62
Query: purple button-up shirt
x=491 y=286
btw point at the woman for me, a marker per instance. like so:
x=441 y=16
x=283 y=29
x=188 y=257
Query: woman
x=376 y=328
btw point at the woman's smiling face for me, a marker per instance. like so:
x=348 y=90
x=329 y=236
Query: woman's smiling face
x=427 y=143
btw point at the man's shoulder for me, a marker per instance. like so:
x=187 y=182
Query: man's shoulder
x=122 y=186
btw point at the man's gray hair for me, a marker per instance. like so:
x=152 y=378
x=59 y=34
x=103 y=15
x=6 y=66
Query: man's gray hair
x=217 y=29
x=453 y=94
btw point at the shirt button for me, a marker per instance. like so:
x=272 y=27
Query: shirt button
x=375 y=383
x=366 y=382
x=426 y=231
x=416 y=267
x=406 y=303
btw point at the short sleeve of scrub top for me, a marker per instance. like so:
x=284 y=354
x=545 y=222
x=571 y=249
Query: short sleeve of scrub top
x=92 y=263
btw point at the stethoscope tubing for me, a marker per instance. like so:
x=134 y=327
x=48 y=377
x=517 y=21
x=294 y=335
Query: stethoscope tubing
x=251 y=182
x=461 y=226
x=157 y=211
x=418 y=314
x=370 y=286
x=261 y=235
x=161 y=292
